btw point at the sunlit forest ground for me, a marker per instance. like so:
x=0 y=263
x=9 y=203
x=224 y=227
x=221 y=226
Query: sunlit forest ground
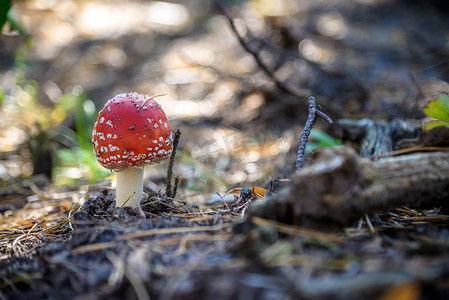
x=237 y=129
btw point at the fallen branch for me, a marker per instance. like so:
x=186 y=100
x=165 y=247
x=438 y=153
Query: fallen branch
x=340 y=187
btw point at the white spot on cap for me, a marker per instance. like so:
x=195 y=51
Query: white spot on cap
x=108 y=135
x=115 y=136
x=154 y=141
x=101 y=120
x=101 y=135
x=150 y=120
x=109 y=122
x=156 y=125
x=108 y=108
x=142 y=156
x=113 y=148
x=103 y=149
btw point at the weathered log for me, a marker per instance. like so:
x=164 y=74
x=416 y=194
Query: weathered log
x=339 y=187
x=377 y=137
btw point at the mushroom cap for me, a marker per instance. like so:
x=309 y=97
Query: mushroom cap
x=131 y=131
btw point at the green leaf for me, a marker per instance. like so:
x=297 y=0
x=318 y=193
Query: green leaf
x=5 y=5
x=323 y=138
x=433 y=123
x=320 y=139
x=2 y=96
x=438 y=109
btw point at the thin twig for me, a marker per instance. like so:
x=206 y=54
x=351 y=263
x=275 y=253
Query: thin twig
x=296 y=230
x=175 y=187
x=150 y=98
x=255 y=53
x=168 y=190
x=370 y=226
x=314 y=113
x=175 y=230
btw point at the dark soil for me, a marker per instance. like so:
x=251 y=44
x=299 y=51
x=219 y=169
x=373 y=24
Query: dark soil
x=115 y=253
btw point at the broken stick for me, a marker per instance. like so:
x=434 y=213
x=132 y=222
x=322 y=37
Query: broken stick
x=314 y=113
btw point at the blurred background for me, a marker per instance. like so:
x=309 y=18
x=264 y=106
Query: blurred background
x=61 y=60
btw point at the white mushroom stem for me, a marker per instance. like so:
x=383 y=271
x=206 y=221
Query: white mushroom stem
x=129 y=187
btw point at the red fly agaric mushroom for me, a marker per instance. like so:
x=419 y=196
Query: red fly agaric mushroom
x=131 y=131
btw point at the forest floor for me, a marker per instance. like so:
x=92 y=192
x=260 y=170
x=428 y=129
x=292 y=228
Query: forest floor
x=241 y=116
